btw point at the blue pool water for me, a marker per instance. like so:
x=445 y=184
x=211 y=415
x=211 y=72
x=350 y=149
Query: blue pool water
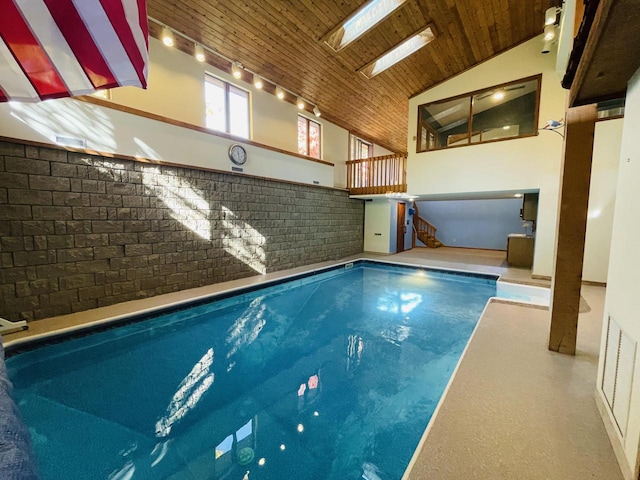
x=332 y=376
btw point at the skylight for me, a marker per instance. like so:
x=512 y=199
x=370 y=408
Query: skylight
x=363 y=20
x=398 y=53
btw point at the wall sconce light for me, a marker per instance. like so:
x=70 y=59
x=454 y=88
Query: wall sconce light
x=199 y=53
x=167 y=37
x=257 y=82
x=279 y=93
x=316 y=111
x=300 y=103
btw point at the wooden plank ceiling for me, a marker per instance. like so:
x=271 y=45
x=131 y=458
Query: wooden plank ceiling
x=282 y=40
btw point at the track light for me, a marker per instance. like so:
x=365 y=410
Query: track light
x=550 y=16
x=167 y=37
x=279 y=93
x=300 y=103
x=236 y=70
x=316 y=111
x=257 y=82
x=549 y=32
x=199 y=52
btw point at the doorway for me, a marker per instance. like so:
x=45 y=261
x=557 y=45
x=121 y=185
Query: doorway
x=401 y=229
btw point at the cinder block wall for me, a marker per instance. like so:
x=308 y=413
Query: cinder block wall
x=79 y=231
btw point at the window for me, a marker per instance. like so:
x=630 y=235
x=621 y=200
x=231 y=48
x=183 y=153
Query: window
x=402 y=51
x=611 y=109
x=498 y=113
x=367 y=17
x=309 y=139
x=227 y=107
x=359 y=148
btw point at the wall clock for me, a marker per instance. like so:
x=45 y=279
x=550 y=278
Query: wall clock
x=237 y=154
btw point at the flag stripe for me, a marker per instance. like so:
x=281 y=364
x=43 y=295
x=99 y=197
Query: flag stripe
x=137 y=17
x=60 y=48
x=48 y=34
x=26 y=49
x=79 y=39
x=14 y=82
x=117 y=16
x=107 y=41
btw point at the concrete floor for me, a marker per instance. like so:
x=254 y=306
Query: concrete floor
x=514 y=410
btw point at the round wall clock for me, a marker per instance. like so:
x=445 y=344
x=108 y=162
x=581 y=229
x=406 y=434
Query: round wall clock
x=237 y=154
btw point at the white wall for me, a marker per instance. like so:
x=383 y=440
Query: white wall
x=526 y=164
x=112 y=131
x=622 y=300
x=274 y=122
x=602 y=196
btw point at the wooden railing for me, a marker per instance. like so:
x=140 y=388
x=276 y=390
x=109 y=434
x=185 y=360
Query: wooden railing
x=424 y=231
x=377 y=175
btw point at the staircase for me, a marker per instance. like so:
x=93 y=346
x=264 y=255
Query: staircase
x=424 y=231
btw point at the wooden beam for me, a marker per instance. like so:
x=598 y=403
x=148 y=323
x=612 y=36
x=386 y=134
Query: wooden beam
x=571 y=228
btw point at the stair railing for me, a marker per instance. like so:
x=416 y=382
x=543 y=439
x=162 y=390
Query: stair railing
x=423 y=230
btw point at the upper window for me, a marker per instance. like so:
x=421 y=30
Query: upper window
x=502 y=112
x=360 y=149
x=227 y=107
x=309 y=137
x=364 y=19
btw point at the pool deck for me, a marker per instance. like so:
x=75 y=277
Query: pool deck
x=513 y=410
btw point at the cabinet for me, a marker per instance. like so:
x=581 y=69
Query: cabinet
x=520 y=250
x=530 y=207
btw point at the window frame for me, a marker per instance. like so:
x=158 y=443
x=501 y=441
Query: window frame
x=227 y=111
x=355 y=143
x=470 y=95
x=309 y=121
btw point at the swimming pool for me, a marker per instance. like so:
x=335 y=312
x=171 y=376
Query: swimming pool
x=328 y=376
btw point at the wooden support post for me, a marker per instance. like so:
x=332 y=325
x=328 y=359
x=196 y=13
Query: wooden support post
x=571 y=228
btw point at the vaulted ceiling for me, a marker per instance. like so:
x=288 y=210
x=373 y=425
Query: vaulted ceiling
x=283 y=41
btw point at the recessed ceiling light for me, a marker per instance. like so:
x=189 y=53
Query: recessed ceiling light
x=498 y=95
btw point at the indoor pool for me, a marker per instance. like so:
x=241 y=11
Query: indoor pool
x=333 y=375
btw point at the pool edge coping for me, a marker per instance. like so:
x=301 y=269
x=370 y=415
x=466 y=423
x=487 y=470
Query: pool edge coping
x=13 y=346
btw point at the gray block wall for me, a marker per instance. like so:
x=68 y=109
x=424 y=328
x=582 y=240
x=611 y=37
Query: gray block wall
x=79 y=231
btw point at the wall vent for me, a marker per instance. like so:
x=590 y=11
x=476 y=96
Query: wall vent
x=237 y=169
x=316 y=182
x=71 y=142
x=617 y=376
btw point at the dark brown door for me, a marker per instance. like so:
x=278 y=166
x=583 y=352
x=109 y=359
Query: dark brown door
x=402 y=228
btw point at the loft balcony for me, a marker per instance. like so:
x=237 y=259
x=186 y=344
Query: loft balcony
x=377 y=175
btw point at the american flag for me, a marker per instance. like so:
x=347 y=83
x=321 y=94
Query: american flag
x=60 y=48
